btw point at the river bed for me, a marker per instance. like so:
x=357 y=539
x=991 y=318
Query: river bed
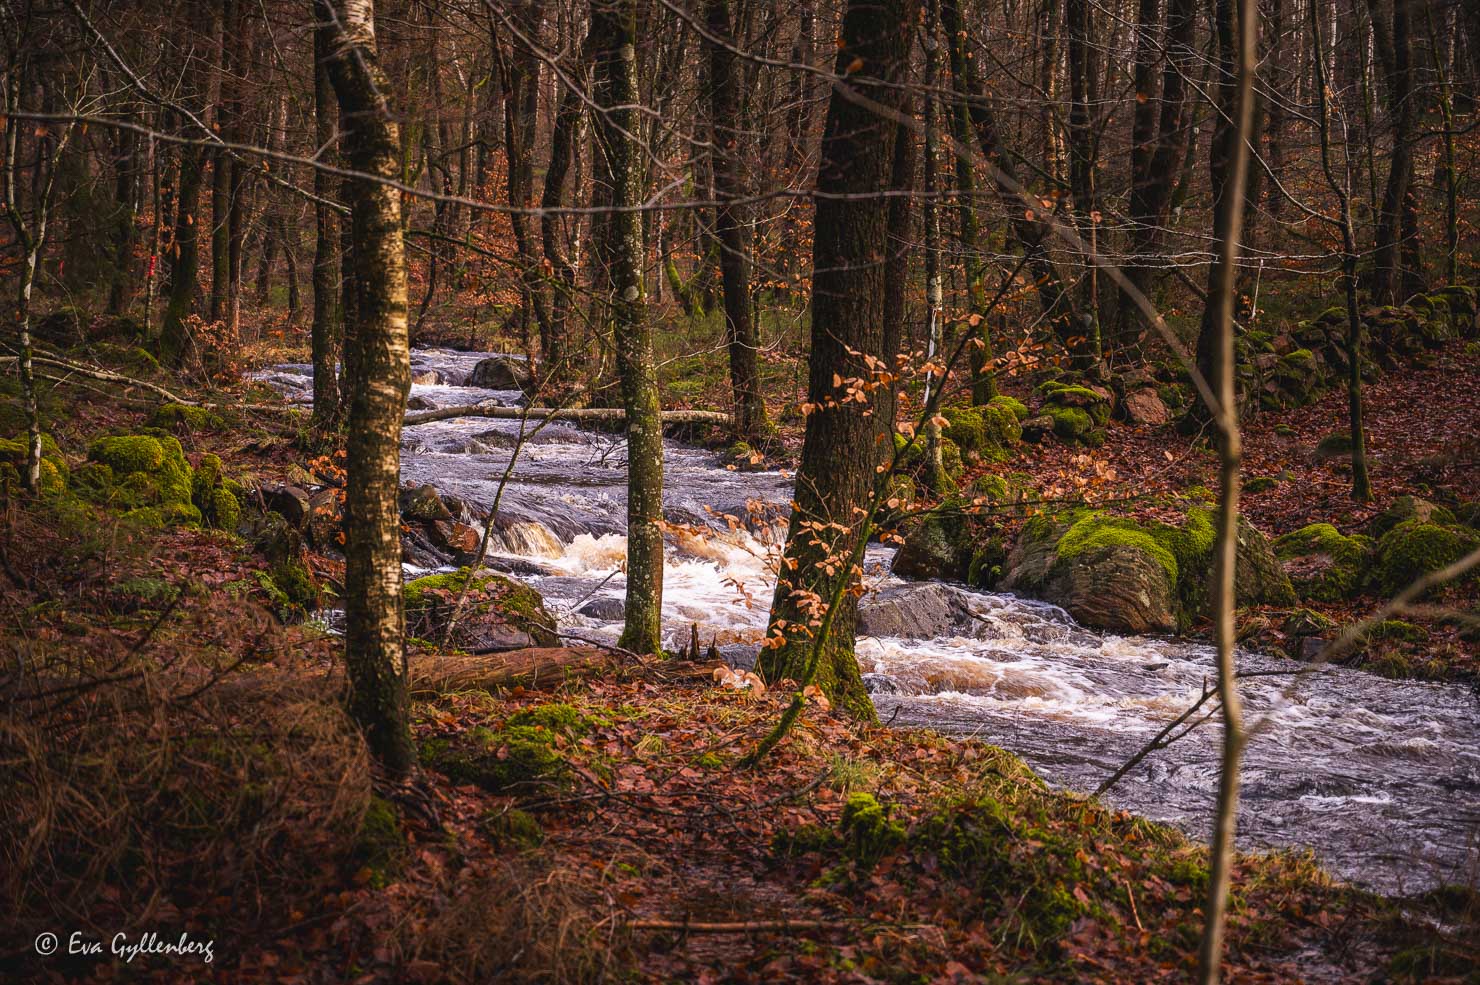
x=1381 y=779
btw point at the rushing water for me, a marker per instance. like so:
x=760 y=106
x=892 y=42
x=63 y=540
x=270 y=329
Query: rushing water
x=1380 y=778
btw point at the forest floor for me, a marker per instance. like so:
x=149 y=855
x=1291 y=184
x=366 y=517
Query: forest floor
x=599 y=828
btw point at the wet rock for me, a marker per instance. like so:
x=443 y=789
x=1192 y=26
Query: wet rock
x=289 y=502
x=915 y=612
x=451 y=535
x=1307 y=622
x=881 y=684
x=425 y=377
x=1309 y=648
x=423 y=503
x=418 y=402
x=603 y=609
x=1145 y=407
x=500 y=373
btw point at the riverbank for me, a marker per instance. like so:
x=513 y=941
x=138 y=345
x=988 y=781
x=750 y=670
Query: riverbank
x=585 y=825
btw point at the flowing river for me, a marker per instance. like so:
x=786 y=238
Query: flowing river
x=1380 y=778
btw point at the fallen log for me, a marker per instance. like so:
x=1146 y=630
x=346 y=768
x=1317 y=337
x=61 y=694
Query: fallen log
x=535 y=666
x=575 y=414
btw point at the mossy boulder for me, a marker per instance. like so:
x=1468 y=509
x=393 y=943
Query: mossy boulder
x=911 y=457
x=1017 y=407
x=948 y=543
x=1128 y=575
x=1077 y=412
x=868 y=833
x=1333 y=447
x=182 y=417
x=217 y=497
x=1415 y=548
x=985 y=433
x=498 y=613
x=288 y=579
x=141 y=472
x=1323 y=564
x=14 y=453
x=1406 y=508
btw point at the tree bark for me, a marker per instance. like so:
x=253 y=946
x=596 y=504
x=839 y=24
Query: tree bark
x=374 y=618
x=614 y=57
x=726 y=130
x=326 y=328
x=836 y=477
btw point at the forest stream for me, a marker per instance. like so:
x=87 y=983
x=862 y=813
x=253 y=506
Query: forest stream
x=1380 y=778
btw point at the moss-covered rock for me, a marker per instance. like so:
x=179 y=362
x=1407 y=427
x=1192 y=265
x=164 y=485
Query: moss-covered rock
x=498 y=613
x=1406 y=508
x=1077 y=411
x=512 y=828
x=213 y=495
x=1323 y=564
x=182 y=417
x=867 y=831
x=14 y=453
x=1333 y=447
x=1017 y=407
x=1119 y=573
x=510 y=758
x=986 y=433
x=137 y=472
x=1415 y=548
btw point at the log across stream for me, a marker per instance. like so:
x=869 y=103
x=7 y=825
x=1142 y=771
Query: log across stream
x=1381 y=779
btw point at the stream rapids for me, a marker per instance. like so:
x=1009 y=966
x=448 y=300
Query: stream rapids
x=1379 y=778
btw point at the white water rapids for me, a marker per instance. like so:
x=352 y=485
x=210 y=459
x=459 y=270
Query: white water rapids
x=1380 y=778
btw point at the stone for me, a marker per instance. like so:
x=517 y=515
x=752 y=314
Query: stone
x=1414 y=548
x=289 y=502
x=454 y=536
x=1145 y=407
x=1408 y=508
x=500 y=373
x=1306 y=622
x=915 y=612
x=418 y=402
x=498 y=613
x=604 y=609
x=425 y=377
x=1035 y=429
x=423 y=503
x=1322 y=563
x=326 y=519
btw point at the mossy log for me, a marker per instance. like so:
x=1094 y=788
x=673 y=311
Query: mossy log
x=536 y=666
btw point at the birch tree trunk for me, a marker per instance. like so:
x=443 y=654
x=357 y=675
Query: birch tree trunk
x=374 y=620
x=613 y=29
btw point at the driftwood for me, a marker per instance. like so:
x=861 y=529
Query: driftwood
x=439 y=673
x=576 y=415
x=105 y=376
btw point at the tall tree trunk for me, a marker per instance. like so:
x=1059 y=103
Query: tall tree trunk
x=614 y=58
x=558 y=367
x=727 y=129
x=1082 y=166
x=1394 y=274
x=836 y=477
x=176 y=343
x=374 y=620
x=126 y=178
x=1223 y=163
x=325 y=331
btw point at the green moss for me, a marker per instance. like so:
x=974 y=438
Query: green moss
x=1069 y=423
x=1262 y=483
x=219 y=506
x=422 y=592
x=990 y=487
x=512 y=757
x=1096 y=530
x=1414 y=548
x=380 y=844
x=14 y=453
x=512 y=828
x=172 y=417
x=1398 y=631
x=557 y=717
x=147 y=471
x=1333 y=446
x=1018 y=409
x=709 y=761
x=293 y=579
x=867 y=831
x=1323 y=564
